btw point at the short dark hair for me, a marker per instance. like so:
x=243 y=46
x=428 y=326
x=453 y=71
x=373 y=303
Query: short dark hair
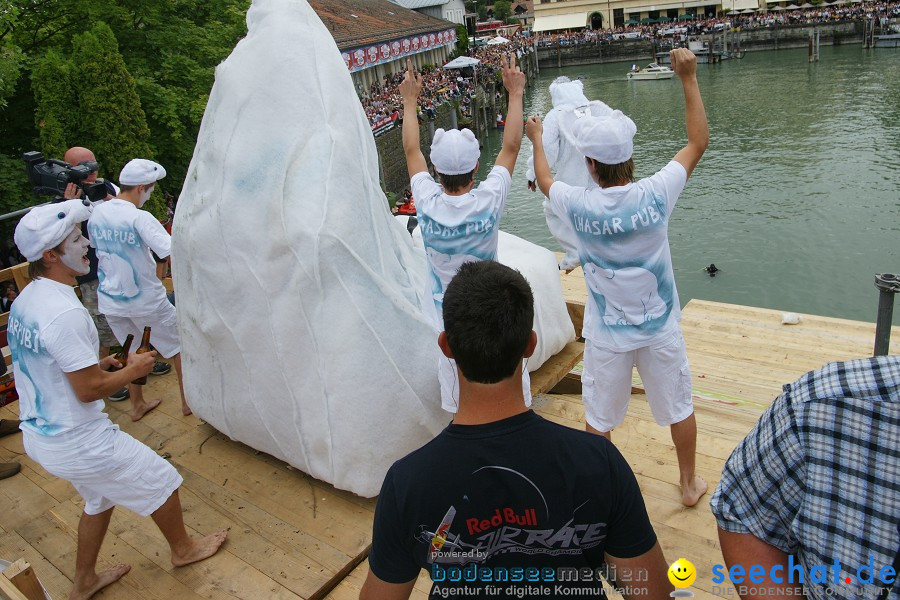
x=37 y=268
x=614 y=174
x=453 y=183
x=488 y=318
x=126 y=188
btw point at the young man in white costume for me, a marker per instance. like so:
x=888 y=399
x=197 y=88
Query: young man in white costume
x=54 y=346
x=130 y=294
x=632 y=318
x=88 y=284
x=569 y=103
x=459 y=224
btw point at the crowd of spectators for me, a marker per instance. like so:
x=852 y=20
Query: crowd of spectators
x=382 y=100
x=843 y=10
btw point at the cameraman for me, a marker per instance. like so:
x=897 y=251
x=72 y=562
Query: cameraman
x=88 y=283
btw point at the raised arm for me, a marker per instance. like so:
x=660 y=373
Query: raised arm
x=534 y=129
x=410 y=88
x=551 y=147
x=685 y=65
x=514 y=82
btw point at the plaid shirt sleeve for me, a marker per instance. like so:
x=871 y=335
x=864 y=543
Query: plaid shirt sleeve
x=763 y=481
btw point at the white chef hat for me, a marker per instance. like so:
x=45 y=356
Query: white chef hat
x=45 y=227
x=454 y=152
x=140 y=171
x=608 y=139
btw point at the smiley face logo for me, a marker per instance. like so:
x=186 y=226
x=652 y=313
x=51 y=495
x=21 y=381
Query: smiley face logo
x=682 y=573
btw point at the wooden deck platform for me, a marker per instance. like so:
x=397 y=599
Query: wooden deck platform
x=292 y=536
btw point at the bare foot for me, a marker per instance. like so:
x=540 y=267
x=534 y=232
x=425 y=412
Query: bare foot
x=186 y=410
x=691 y=494
x=200 y=549
x=99 y=581
x=138 y=412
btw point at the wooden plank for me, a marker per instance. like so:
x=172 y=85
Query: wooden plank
x=152 y=574
x=17 y=274
x=554 y=369
x=56 y=541
x=576 y=314
x=277 y=533
x=23 y=577
x=56 y=584
x=9 y=591
x=290 y=495
x=22 y=502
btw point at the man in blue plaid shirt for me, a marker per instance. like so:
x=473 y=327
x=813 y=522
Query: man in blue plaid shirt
x=812 y=494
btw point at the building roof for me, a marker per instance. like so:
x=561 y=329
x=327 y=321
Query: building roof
x=355 y=23
x=414 y=4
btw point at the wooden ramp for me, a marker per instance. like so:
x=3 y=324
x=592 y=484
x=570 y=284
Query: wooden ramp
x=292 y=536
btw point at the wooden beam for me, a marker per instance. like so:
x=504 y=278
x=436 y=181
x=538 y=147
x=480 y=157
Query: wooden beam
x=22 y=577
x=8 y=591
x=556 y=368
x=18 y=274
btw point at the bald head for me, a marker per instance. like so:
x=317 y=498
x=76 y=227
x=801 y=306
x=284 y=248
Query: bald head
x=77 y=155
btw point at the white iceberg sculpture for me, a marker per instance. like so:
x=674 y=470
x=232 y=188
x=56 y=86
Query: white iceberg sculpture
x=299 y=296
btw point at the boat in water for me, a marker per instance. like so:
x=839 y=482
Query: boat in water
x=651 y=71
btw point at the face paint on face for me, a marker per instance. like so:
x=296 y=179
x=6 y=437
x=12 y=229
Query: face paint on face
x=75 y=250
x=145 y=195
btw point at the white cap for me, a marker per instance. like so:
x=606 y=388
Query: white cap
x=608 y=139
x=140 y=171
x=454 y=152
x=45 y=227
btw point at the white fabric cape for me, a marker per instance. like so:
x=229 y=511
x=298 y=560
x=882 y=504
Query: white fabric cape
x=299 y=296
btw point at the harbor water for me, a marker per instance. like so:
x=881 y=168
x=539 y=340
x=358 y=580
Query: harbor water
x=797 y=199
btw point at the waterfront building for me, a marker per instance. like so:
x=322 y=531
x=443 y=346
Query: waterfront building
x=556 y=15
x=376 y=37
x=449 y=10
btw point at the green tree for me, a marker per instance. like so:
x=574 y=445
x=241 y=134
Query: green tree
x=109 y=109
x=170 y=48
x=11 y=59
x=56 y=98
x=502 y=10
x=462 y=40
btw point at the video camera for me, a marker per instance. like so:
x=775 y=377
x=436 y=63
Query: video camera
x=50 y=177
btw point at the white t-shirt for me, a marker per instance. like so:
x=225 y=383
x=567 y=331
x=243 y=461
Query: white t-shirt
x=50 y=334
x=457 y=229
x=622 y=238
x=123 y=236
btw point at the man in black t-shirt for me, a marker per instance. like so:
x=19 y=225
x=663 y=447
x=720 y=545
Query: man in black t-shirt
x=503 y=503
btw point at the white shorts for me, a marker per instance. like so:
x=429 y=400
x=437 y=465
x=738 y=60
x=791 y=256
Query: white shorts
x=448 y=377
x=664 y=370
x=108 y=469
x=163 y=334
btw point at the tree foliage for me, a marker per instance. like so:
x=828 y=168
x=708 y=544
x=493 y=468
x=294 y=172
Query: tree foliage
x=502 y=10
x=109 y=109
x=462 y=40
x=125 y=78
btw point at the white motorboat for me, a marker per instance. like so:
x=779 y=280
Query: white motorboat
x=651 y=71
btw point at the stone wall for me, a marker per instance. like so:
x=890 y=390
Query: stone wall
x=391 y=158
x=797 y=36
x=587 y=54
x=770 y=38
